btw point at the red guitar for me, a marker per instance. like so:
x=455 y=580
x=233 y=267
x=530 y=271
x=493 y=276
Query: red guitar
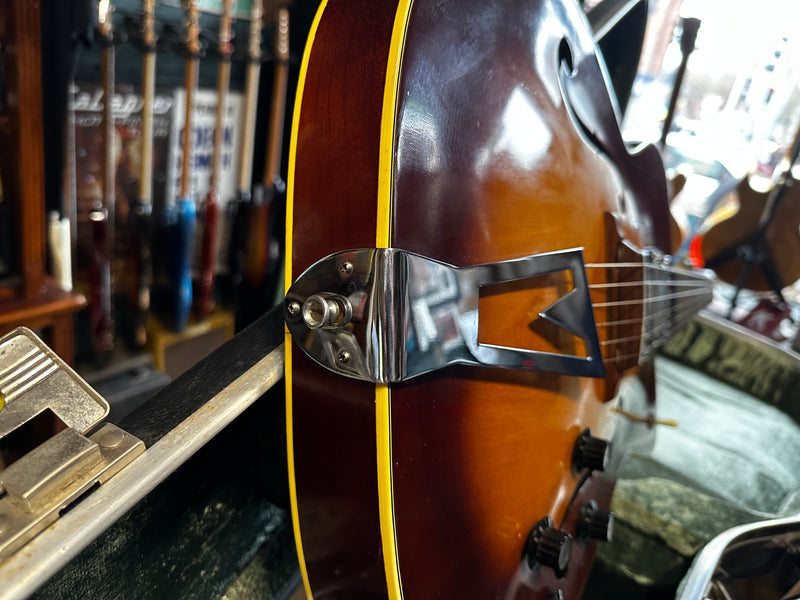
x=458 y=199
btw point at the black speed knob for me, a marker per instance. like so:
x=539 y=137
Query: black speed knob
x=590 y=452
x=549 y=546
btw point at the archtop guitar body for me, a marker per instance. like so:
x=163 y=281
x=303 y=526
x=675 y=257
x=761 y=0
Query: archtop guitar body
x=469 y=133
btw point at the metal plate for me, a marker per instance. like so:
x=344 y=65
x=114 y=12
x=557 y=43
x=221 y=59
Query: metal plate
x=33 y=378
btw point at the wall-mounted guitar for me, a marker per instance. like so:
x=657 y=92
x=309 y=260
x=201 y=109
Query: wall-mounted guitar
x=208 y=250
x=180 y=218
x=758 y=246
x=101 y=216
x=142 y=213
x=458 y=193
x=262 y=250
x=240 y=208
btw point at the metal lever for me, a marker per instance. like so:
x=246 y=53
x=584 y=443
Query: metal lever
x=367 y=314
x=39 y=393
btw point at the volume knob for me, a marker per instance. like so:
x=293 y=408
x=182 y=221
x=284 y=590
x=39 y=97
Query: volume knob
x=549 y=546
x=596 y=524
x=591 y=452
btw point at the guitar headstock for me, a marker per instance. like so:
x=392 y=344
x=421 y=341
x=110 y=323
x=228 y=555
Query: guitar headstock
x=105 y=26
x=282 y=35
x=192 y=39
x=149 y=24
x=225 y=29
x=254 y=45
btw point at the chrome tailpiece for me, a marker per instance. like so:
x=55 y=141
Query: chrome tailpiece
x=371 y=314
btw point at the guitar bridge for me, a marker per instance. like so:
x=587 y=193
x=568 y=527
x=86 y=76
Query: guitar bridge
x=47 y=460
x=366 y=314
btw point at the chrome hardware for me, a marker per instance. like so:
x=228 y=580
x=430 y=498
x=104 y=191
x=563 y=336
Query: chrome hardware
x=293 y=308
x=346 y=268
x=377 y=307
x=326 y=310
x=40 y=390
x=728 y=560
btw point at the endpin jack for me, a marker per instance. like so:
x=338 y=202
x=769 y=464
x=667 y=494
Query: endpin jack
x=326 y=310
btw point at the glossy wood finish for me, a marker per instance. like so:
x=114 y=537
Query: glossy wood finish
x=334 y=189
x=491 y=165
x=490 y=162
x=33 y=299
x=51 y=312
x=21 y=134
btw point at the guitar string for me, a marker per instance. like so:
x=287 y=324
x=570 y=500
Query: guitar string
x=635 y=320
x=677 y=313
x=622 y=358
x=687 y=278
x=655 y=333
x=650 y=299
x=652 y=283
x=664 y=268
x=674 y=308
x=699 y=284
x=647 y=345
x=682 y=312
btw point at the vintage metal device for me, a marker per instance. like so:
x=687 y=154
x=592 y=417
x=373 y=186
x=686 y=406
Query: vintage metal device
x=53 y=448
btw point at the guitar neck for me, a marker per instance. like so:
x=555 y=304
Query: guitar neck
x=148 y=92
x=141 y=217
x=211 y=205
x=672 y=296
x=258 y=235
x=223 y=82
x=102 y=217
x=190 y=85
x=186 y=158
x=250 y=96
x=109 y=154
x=278 y=107
x=241 y=210
x=184 y=214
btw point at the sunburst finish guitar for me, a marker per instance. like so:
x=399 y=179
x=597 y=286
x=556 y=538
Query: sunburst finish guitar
x=466 y=287
x=757 y=246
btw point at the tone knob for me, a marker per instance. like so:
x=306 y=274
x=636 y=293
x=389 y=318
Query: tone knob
x=596 y=524
x=591 y=452
x=549 y=546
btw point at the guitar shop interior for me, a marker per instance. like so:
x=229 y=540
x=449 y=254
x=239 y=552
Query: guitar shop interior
x=562 y=361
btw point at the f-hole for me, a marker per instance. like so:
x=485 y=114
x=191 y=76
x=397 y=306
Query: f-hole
x=567 y=70
x=565 y=57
